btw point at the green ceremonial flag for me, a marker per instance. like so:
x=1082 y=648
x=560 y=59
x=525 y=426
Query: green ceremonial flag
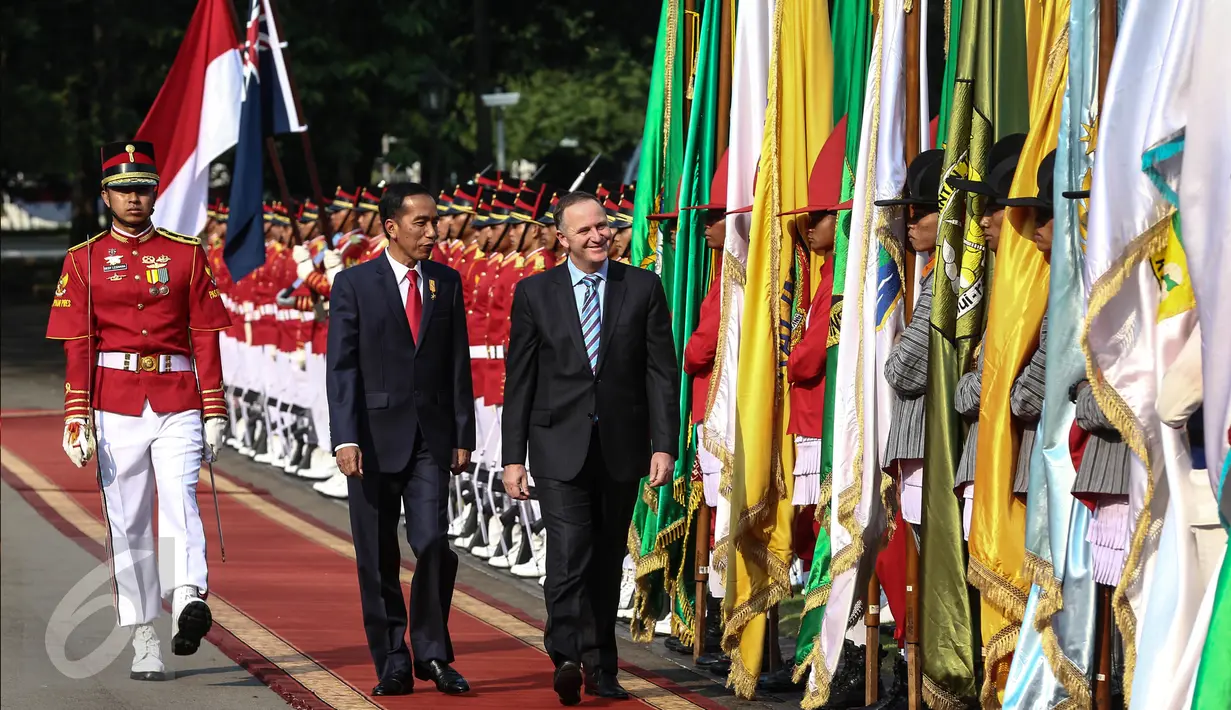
x=945 y=619
x=950 y=79
x=852 y=49
x=659 y=538
x=662 y=143
x=1011 y=100
x=1213 y=687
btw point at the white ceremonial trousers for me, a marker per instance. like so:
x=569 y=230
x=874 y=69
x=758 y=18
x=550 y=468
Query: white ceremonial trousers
x=135 y=454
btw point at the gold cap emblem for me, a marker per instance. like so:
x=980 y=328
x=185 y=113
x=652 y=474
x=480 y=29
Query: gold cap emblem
x=131 y=150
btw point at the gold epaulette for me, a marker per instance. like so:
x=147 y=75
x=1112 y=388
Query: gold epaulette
x=177 y=237
x=94 y=238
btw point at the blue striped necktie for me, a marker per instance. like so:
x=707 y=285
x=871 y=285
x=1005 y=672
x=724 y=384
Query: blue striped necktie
x=590 y=319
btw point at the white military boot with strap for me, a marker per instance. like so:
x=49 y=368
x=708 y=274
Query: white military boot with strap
x=147 y=654
x=190 y=618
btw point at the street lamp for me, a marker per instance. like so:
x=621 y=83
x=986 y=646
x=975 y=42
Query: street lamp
x=500 y=101
x=434 y=102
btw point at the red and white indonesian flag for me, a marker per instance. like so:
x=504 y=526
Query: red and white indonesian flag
x=195 y=118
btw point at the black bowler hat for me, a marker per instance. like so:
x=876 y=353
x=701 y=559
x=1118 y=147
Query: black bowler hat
x=1003 y=160
x=129 y=163
x=922 y=181
x=1046 y=179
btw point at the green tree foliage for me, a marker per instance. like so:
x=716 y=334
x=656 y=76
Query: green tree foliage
x=77 y=73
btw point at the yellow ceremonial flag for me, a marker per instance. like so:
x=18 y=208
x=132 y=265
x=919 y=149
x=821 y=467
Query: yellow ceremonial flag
x=1018 y=304
x=798 y=120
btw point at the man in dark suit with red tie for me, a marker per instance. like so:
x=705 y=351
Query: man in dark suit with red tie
x=401 y=414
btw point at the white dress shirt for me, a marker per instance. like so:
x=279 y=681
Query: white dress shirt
x=579 y=288
x=400 y=272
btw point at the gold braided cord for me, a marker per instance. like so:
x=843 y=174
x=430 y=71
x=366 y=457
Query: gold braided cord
x=1011 y=603
x=742 y=533
x=997 y=657
x=1075 y=682
x=684 y=632
x=1131 y=429
x=937 y=698
x=998 y=591
x=673 y=22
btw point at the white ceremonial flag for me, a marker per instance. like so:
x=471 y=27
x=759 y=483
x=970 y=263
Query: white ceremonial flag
x=749 y=91
x=1140 y=315
x=871 y=319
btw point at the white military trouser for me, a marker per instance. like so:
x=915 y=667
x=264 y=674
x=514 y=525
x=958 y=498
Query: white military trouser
x=134 y=454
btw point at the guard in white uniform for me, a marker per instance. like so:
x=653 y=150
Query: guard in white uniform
x=140 y=314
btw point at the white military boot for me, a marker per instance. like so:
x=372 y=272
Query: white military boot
x=510 y=558
x=147 y=655
x=333 y=487
x=190 y=619
x=536 y=566
x=628 y=584
x=495 y=531
x=321 y=467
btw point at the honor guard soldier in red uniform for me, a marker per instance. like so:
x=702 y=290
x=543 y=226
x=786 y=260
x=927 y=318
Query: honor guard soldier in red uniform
x=139 y=314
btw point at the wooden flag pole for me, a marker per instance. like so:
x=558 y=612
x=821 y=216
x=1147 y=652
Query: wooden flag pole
x=914 y=664
x=702 y=579
x=872 y=624
x=1104 y=620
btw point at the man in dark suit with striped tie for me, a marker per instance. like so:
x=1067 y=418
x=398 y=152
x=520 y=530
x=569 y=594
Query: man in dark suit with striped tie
x=592 y=393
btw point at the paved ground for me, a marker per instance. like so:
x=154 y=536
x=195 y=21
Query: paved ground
x=43 y=574
x=40 y=565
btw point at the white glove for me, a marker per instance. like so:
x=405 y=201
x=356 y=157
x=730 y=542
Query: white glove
x=79 y=441
x=304 y=268
x=299 y=358
x=301 y=254
x=332 y=259
x=215 y=434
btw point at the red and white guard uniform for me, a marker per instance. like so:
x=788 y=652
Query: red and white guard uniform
x=140 y=317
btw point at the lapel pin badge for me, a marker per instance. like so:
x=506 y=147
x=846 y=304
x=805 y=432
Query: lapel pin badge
x=431 y=286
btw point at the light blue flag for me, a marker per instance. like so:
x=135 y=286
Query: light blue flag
x=1056 y=523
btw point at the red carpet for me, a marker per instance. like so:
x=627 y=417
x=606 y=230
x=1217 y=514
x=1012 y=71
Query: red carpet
x=291 y=583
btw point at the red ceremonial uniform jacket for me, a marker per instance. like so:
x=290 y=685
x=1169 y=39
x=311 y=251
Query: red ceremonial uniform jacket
x=805 y=368
x=512 y=270
x=226 y=287
x=482 y=367
x=453 y=253
x=701 y=350
x=147 y=296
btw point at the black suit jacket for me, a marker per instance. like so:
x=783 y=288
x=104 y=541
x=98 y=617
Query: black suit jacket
x=380 y=385
x=551 y=396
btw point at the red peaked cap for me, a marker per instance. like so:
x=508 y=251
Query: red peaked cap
x=825 y=182
x=743 y=210
x=718 y=187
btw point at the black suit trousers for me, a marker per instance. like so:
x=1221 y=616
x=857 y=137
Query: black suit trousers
x=587 y=521
x=375 y=501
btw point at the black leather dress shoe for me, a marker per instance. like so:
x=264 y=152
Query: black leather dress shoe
x=675 y=645
x=601 y=684
x=398 y=683
x=567 y=683
x=447 y=680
